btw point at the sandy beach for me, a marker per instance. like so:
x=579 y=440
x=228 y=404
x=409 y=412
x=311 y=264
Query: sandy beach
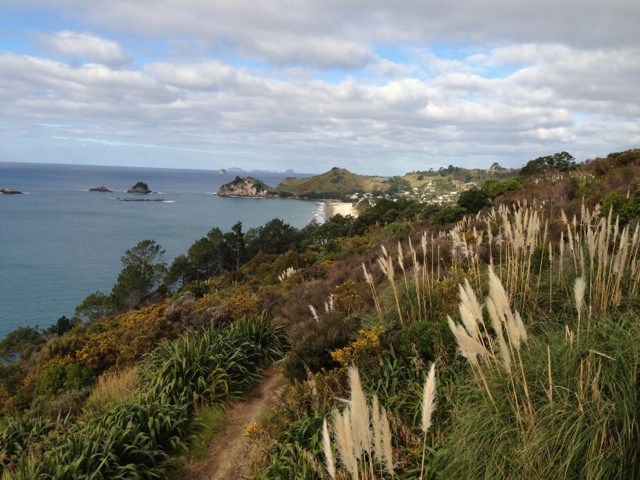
x=334 y=207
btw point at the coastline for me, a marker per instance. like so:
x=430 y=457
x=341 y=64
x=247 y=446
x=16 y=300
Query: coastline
x=329 y=208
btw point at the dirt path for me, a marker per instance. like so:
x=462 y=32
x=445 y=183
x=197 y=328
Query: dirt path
x=229 y=452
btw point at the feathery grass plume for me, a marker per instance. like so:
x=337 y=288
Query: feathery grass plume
x=429 y=398
x=579 y=288
x=386 y=442
x=501 y=307
x=329 y=305
x=344 y=441
x=470 y=310
x=369 y=279
x=328 y=453
x=314 y=314
x=428 y=407
x=496 y=323
x=386 y=265
x=469 y=347
x=377 y=429
x=359 y=414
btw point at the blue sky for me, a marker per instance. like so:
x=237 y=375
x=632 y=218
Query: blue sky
x=374 y=86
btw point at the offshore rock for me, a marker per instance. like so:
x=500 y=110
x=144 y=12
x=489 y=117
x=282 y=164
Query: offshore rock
x=101 y=188
x=139 y=187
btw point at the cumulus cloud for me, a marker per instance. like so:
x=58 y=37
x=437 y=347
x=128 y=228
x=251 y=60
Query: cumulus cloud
x=85 y=46
x=384 y=87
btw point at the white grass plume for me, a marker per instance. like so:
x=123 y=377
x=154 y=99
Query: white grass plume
x=429 y=398
x=330 y=463
x=470 y=310
x=360 y=414
x=468 y=346
x=386 y=442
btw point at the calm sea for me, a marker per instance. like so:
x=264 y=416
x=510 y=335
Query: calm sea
x=60 y=242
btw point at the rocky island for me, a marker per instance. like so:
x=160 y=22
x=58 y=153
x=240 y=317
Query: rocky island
x=140 y=187
x=9 y=191
x=247 y=187
x=101 y=188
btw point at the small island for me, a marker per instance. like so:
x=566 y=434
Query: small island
x=140 y=187
x=246 y=187
x=101 y=188
x=9 y=191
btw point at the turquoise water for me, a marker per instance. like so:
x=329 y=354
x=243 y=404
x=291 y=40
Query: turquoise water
x=59 y=242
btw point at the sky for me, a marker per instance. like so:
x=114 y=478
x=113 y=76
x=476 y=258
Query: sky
x=380 y=87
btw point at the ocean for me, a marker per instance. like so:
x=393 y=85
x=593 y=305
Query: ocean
x=59 y=242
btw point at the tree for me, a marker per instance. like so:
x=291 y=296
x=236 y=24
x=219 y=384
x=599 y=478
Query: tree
x=473 y=200
x=95 y=306
x=275 y=236
x=234 y=247
x=562 y=161
x=18 y=341
x=143 y=271
x=62 y=326
x=448 y=214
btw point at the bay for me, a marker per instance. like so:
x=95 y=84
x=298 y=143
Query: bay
x=59 y=242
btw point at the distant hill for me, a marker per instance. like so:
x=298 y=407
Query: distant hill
x=339 y=183
x=336 y=183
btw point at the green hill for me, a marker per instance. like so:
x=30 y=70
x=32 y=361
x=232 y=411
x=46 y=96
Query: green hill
x=336 y=183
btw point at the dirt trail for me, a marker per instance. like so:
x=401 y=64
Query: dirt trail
x=229 y=452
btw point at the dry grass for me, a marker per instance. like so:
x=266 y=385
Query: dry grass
x=113 y=387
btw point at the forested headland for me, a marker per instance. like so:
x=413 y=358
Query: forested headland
x=487 y=334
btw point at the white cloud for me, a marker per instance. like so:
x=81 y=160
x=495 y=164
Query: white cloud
x=380 y=85
x=85 y=46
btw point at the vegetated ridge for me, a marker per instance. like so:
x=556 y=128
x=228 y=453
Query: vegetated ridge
x=494 y=336
x=339 y=183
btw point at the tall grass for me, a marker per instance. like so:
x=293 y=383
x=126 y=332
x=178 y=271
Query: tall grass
x=112 y=387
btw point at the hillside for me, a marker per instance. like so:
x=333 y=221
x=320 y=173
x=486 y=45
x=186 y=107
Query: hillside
x=339 y=183
x=495 y=337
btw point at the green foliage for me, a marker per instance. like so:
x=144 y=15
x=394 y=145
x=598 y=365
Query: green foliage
x=273 y=237
x=18 y=342
x=313 y=341
x=215 y=366
x=562 y=161
x=293 y=455
x=430 y=340
x=95 y=306
x=448 y=214
x=143 y=271
x=62 y=326
x=494 y=187
x=133 y=440
x=583 y=423
x=18 y=435
x=621 y=206
x=473 y=200
x=59 y=378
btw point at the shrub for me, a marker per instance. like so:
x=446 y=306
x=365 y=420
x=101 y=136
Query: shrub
x=314 y=340
x=59 y=378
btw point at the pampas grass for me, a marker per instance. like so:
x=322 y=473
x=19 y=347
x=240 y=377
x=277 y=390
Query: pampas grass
x=355 y=429
x=428 y=407
x=328 y=453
